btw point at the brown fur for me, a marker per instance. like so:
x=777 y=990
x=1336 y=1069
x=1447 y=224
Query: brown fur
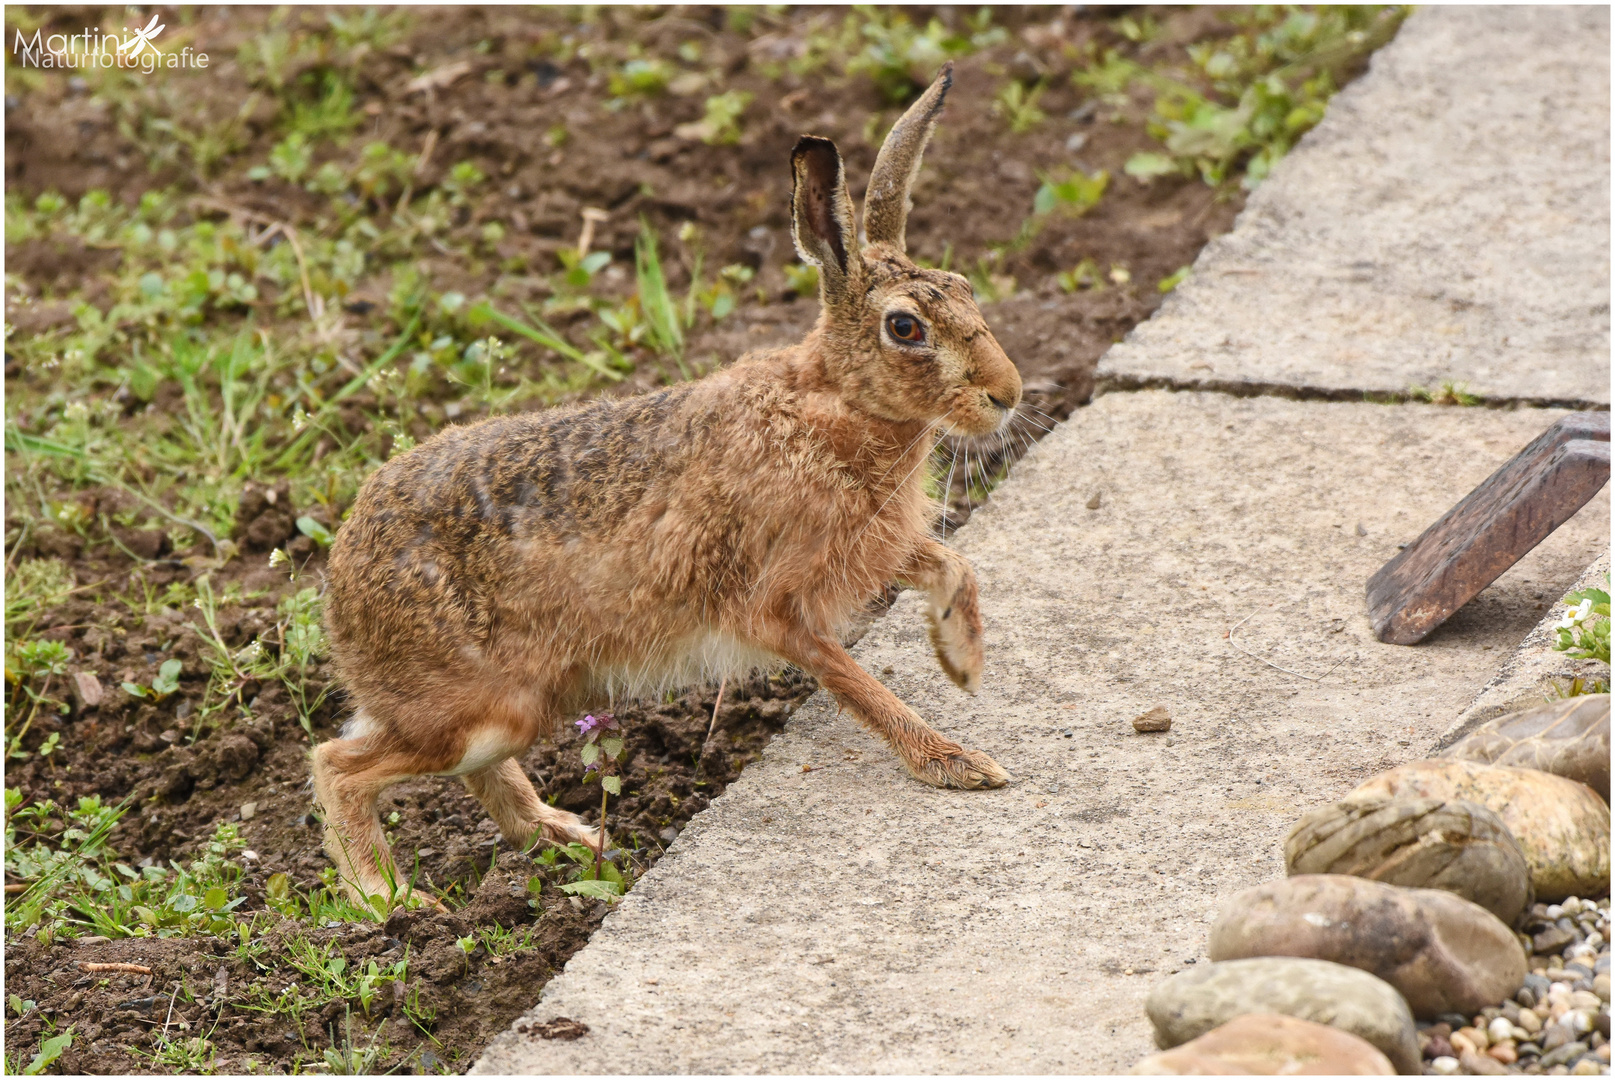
x=505 y=575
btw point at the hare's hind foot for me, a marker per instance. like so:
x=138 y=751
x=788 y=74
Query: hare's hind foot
x=524 y=818
x=960 y=769
x=348 y=776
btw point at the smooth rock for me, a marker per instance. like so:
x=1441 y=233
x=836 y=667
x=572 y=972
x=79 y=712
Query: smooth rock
x=1268 y=1044
x=249 y=810
x=1568 y=738
x=1561 y=825
x=1459 y=847
x=1564 y=1055
x=1192 y=1002
x=1481 y=1064
x=1441 y=952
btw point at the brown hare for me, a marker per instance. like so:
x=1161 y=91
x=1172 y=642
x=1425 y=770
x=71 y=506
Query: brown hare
x=507 y=574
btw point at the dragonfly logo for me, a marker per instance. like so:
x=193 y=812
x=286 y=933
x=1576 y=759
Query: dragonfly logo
x=141 y=38
x=94 y=47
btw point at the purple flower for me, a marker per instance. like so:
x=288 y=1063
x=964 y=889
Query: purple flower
x=597 y=723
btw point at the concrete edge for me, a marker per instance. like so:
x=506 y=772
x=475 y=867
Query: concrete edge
x=1524 y=679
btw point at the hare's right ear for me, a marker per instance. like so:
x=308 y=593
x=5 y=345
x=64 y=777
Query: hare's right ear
x=821 y=217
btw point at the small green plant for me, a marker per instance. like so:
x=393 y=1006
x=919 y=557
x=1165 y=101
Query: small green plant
x=420 y=1011
x=32 y=669
x=601 y=753
x=802 y=279
x=1072 y=192
x=721 y=124
x=642 y=77
x=1449 y=393
x=1084 y=275
x=666 y=330
x=163 y=686
x=587 y=873
x=989 y=281
x=51 y=1047
x=1172 y=280
x=1018 y=106
x=193 y=1055
x=1583 y=633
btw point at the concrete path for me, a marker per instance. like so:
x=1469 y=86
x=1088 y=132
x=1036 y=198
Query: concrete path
x=827 y=914
x=1449 y=220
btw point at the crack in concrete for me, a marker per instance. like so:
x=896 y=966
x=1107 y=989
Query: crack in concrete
x=1250 y=388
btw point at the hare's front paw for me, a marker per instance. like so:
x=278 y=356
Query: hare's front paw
x=575 y=831
x=958 y=649
x=961 y=768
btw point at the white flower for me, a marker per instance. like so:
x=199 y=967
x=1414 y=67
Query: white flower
x=1576 y=615
x=277 y=557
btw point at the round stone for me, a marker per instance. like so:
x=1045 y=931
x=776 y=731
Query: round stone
x=1268 y=1044
x=1441 y=952
x=1192 y=1002
x=1460 y=847
x=1568 y=738
x=1562 y=826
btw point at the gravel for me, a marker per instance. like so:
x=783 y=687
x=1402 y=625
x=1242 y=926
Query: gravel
x=1557 y=1024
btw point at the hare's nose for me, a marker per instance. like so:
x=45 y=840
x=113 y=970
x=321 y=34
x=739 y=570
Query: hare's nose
x=1002 y=404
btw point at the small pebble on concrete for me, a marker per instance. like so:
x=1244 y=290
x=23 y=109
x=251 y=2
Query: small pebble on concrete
x=1157 y=719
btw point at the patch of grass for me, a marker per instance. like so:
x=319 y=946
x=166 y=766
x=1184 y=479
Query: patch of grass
x=1448 y=393
x=76 y=883
x=885 y=45
x=1252 y=95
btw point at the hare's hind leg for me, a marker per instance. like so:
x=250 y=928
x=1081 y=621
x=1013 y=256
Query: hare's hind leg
x=954 y=611
x=508 y=796
x=349 y=774
x=926 y=754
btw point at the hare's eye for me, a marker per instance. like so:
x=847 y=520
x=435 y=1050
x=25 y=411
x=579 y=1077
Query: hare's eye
x=905 y=328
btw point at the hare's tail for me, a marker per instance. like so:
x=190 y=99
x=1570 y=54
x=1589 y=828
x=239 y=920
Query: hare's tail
x=361 y=725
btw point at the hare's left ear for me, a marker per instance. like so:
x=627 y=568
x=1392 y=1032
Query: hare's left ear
x=898 y=163
x=821 y=217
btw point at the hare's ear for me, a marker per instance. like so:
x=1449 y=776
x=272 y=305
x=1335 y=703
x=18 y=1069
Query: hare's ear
x=886 y=203
x=821 y=216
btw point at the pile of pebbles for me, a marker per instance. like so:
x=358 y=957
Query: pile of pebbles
x=1557 y=1024
x=1409 y=908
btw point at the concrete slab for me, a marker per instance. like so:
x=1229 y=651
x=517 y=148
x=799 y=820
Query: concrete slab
x=828 y=914
x=1448 y=220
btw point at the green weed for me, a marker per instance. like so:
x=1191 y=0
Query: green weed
x=1449 y=393
x=1018 y=106
x=1583 y=633
x=721 y=124
x=75 y=882
x=1254 y=94
x=51 y=1047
